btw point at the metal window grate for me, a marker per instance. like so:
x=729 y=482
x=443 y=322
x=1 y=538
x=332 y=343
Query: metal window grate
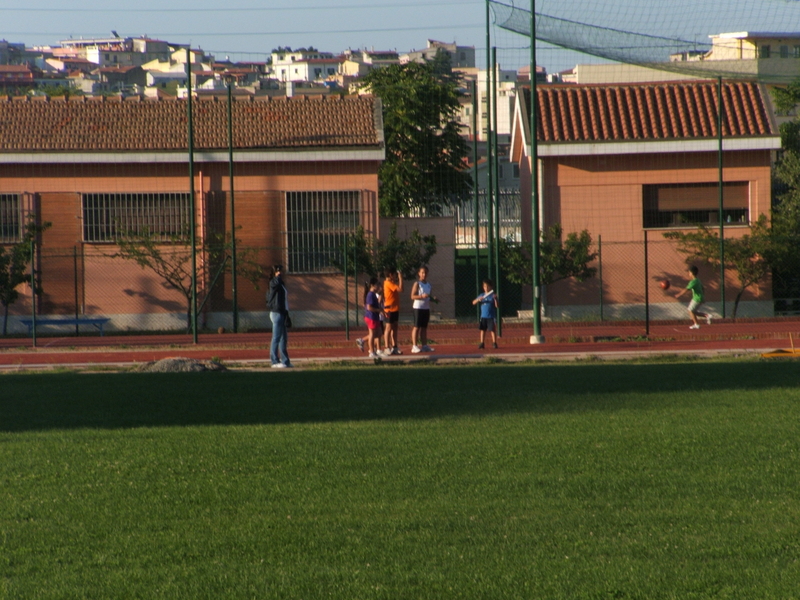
x=10 y=218
x=107 y=217
x=317 y=226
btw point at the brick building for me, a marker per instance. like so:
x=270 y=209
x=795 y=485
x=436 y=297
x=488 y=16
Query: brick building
x=622 y=160
x=305 y=176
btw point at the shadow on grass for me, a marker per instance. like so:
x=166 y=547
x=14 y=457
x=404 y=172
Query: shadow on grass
x=108 y=401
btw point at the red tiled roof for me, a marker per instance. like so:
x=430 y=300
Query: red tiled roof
x=655 y=111
x=15 y=69
x=134 y=124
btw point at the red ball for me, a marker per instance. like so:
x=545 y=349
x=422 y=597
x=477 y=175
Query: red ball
x=665 y=284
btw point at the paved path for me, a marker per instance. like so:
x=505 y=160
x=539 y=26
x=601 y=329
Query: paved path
x=451 y=342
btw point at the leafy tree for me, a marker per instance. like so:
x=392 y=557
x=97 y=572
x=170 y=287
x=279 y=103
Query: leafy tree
x=172 y=260
x=784 y=256
x=14 y=263
x=373 y=256
x=748 y=255
x=425 y=153
x=559 y=258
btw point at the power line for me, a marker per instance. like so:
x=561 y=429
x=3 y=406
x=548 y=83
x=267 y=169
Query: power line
x=281 y=32
x=229 y=10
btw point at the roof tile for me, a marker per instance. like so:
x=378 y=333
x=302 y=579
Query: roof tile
x=654 y=111
x=99 y=124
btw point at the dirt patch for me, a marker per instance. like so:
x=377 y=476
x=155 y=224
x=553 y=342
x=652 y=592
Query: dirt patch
x=180 y=365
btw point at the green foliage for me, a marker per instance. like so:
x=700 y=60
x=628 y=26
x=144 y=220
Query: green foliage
x=171 y=261
x=14 y=263
x=786 y=98
x=373 y=256
x=558 y=258
x=425 y=153
x=749 y=255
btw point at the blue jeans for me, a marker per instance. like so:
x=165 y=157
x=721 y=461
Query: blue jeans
x=278 y=339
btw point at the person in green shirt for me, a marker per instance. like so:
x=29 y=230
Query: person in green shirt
x=695 y=287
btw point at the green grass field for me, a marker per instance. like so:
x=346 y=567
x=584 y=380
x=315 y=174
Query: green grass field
x=664 y=480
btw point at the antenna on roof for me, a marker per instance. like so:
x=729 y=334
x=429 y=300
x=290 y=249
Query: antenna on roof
x=116 y=35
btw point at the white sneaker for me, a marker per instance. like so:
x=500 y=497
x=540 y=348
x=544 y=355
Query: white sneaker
x=415 y=350
x=387 y=351
x=279 y=366
x=427 y=348
x=695 y=327
x=360 y=344
x=708 y=319
x=373 y=355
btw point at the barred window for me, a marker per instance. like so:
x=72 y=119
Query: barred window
x=10 y=218
x=317 y=226
x=681 y=205
x=107 y=217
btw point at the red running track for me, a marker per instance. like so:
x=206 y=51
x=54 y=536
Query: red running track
x=562 y=340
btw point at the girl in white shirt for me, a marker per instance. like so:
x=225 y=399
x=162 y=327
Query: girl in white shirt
x=422 y=297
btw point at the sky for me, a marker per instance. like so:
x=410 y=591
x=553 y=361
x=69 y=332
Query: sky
x=250 y=29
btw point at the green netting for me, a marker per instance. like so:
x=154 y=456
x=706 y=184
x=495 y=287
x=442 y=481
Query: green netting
x=673 y=36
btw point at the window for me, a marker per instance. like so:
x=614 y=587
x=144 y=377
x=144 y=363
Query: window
x=797 y=51
x=764 y=51
x=500 y=171
x=10 y=218
x=784 y=51
x=317 y=226
x=515 y=171
x=681 y=205
x=106 y=217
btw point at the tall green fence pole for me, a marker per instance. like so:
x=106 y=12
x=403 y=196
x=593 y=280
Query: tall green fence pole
x=33 y=291
x=537 y=337
x=720 y=108
x=234 y=295
x=192 y=201
x=646 y=288
x=489 y=153
x=600 y=270
x=475 y=189
x=346 y=296
x=496 y=152
x=75 y=287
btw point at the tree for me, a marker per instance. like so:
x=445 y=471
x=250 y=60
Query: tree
x=558 y=258
x=425 y=153
x=172 y=260
x=14 y=263
x=784 y=256
x=747 y=255
x=372 y=256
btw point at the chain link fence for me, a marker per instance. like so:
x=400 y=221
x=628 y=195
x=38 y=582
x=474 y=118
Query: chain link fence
x=92 y=282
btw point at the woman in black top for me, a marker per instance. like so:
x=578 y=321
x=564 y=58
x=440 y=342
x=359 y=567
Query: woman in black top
x=278 y=305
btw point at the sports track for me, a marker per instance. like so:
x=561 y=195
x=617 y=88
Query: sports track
x=451 y=342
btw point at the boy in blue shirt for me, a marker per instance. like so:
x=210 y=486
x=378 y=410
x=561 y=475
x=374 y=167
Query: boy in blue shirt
x=488 y=302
